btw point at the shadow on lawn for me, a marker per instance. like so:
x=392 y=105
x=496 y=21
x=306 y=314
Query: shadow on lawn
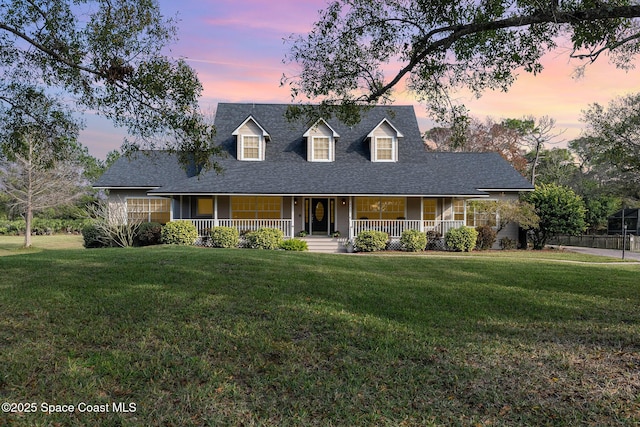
x=229 y=337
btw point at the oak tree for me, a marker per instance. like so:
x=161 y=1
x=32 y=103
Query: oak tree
x=106 y=56
x=360 y=50
x=611 y=143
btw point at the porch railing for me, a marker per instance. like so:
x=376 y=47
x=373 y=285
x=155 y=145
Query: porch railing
x=442 y=226
x=394 y=228
x=243 y=225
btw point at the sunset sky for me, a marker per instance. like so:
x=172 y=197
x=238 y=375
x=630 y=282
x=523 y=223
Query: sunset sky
x=237 y=48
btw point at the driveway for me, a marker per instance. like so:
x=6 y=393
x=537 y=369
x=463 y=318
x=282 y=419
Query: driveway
x=614 y=253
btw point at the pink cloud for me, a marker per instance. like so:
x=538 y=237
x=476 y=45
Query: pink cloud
x=237 y=49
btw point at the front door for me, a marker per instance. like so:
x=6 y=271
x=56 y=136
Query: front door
x=320 y=216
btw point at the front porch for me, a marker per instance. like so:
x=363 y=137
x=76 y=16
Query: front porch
x=345 y=216
x=394 y=228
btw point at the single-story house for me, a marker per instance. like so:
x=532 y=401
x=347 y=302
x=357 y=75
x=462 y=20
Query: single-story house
x=322 y=178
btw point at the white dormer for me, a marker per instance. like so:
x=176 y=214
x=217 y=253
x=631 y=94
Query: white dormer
x=383 y=140
x=321 y=142
x=251 y=140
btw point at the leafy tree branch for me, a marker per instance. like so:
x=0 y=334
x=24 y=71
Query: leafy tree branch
x=350 y=55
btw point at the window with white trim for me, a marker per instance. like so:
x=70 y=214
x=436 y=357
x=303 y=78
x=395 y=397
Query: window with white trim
x=458 y=209
x=321 y=149
x=251 y=147
x=380 y=208
x=149 y=210
x=384 y=149
x=256 y=207
x=429 y=209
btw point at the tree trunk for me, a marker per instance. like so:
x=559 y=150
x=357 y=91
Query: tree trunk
x=27 y=230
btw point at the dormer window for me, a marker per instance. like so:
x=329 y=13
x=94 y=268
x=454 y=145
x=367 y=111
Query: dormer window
x=384 y=142
x=250 y=147
x=321 y=140
x=251 y=140
x=321 y=148
x=384 y=149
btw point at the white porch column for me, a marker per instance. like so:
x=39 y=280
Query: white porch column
x=215 y=211
x=351 y=218
x=293 y=216
x=464 y=206
x=422 y=214
x=181 y=215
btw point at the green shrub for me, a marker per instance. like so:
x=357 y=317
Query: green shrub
x=371 y=241
x=149 y=233
x=264 y=238
x=13 y=228
x=413 y=240
x=179 y=233
x=461 y=239
x=224 y=237
x=93 y=237
x=507 y=243
x=294 y=245
x=434 y=241
x=486 y=237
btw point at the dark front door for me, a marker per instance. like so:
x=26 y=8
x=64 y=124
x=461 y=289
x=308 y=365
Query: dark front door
x=320 y=216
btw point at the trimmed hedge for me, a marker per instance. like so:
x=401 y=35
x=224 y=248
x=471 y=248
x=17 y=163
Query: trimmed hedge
x=371 y=241
x=93 y=237
x=224 y=237
x=264 y=238
x=294 y=245
x=149 y=233
x=179 y=233
x=462 y=239
x=413 y=240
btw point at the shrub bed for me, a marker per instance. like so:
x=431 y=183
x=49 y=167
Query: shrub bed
x=294 y=245
x=264 y=238
x=179 y=233
x=413 y=240
x=93 y=237
x=371 y=241
x=462 y=239
x=224 y=237
x=149 y=233
x=43 y=226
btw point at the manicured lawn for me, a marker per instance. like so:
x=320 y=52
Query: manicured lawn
x=12 y=245
x=244 y=337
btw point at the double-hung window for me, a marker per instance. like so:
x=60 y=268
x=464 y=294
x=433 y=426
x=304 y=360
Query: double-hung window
x=251 y=147
x=321 y=149
x=384 y=149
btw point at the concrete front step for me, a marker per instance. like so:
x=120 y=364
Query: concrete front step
x=324 y=244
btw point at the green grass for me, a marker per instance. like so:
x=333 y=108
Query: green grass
x=245 y=337
x=13 y=245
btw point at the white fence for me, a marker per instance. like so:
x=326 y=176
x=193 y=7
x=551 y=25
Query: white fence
x=394 y=228
x=243 y=225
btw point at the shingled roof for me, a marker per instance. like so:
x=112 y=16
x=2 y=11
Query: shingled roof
x=286 y=171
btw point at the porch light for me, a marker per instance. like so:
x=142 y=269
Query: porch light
x=295 y=201
x=343 y=201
